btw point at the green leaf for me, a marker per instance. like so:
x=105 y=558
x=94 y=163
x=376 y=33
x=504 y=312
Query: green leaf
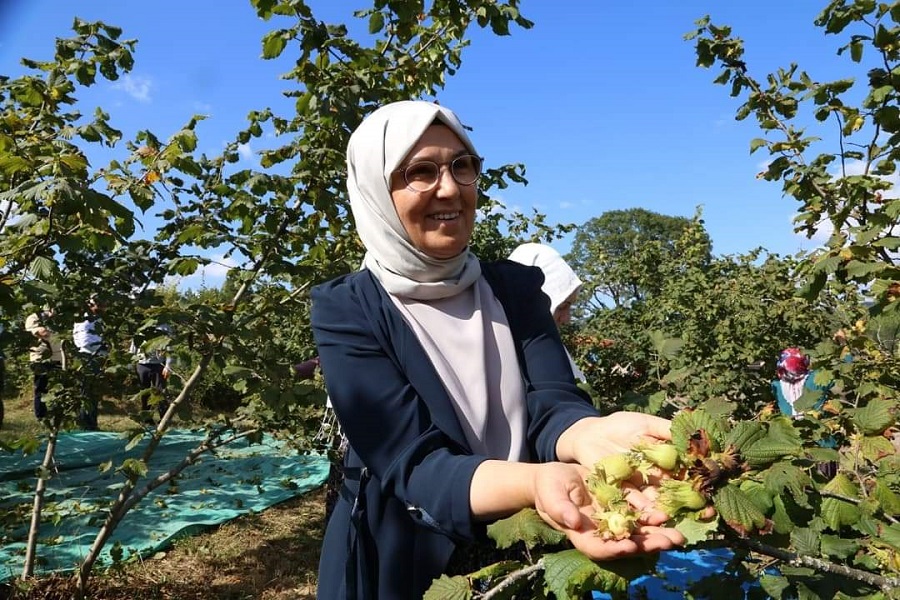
x=688 y=422
x=805 y=541
x=785 y=475
x=42 y=267
x=273 y=45
x=875 y=447
x=839 y=513
x=890 y=535
x=782 y=440
x=376 y=22
x=135 y=439
x=569 y=574
x=744 y=434
x=449 y=588
x=756 y=144
x=524 y=526
x=738 y=510
x=833 y=545
x=774 y=585
x=874 y=417
x=695 y=531
x=780 y=517
x=888 y=500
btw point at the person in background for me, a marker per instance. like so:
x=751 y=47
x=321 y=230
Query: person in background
x=44 y=357
x=153 y=369
x=449 y=378
x=793 y=379
x=87 y=335
x=561 y=284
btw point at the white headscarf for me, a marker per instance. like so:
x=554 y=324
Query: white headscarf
x=376 y=148
x=448 y=305
x=560 y=281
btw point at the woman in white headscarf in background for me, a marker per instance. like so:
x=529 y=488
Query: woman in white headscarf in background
x=448 y=377
x=561 y=284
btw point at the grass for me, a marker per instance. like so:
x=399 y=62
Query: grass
x=272 y=555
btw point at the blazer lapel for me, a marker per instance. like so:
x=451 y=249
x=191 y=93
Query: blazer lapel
x=409 y=355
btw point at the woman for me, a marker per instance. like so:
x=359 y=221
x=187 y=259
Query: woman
x=448 y=376
x=561 y=284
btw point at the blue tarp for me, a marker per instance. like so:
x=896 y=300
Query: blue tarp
x=677 y=571
x=238 y=479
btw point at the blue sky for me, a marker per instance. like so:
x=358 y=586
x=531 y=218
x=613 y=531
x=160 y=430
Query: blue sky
x=602 y=101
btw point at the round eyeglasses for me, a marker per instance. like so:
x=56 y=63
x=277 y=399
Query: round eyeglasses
x=423 y=175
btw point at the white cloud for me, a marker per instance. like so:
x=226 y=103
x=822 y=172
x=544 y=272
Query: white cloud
x=566 y=205
x=135 y=86
x=245 y=151
x=203 y=107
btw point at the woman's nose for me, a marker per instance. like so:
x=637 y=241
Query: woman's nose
x=446 y=184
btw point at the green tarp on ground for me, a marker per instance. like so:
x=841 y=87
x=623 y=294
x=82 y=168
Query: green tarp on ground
x=240 y=478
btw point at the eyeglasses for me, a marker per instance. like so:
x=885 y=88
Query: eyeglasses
x=423 y=175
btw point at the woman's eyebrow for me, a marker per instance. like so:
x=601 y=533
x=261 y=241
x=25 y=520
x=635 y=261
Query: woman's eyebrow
x=427 y=156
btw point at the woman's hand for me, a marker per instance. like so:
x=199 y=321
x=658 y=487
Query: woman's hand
x=564 y=502
x=592 y=438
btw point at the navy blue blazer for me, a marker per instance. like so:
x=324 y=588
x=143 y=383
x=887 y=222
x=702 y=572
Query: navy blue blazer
x=405 y=503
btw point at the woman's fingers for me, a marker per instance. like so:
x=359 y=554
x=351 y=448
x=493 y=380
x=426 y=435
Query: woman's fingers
x=643 y=501
x=644 y=539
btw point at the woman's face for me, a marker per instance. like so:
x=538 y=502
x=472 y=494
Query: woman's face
x=439 y=222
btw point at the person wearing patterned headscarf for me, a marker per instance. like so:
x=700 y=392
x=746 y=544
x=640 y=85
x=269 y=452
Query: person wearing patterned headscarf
x=794 y=379
x=448 y=377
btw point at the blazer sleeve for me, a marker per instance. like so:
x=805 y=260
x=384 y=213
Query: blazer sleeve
x=554 y=400
x=384 y=418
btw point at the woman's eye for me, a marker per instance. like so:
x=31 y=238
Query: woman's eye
x=420 y=172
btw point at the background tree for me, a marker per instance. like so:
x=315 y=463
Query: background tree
x=69 y=229
x=615 y=254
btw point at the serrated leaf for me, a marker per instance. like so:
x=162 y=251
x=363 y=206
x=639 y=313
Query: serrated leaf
x=890 y=535
x=875 y=447
x=888 y=499
x=874 y=417
x=758 y=494
x=744 y=434
x=839 y=513
x=42 y=267
x=780 y=518
x=805 y=541
x=569 y=574
x=695 y=531
x=774 y=585
x=781 y=476
x=738 y=510
x=524 y=526
x=781 y=440
x=449 y=588
x=833 y=545
x=819 y=454
x=688 y=422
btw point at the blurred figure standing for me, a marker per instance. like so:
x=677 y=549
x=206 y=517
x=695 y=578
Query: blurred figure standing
x=87 y=335
x=44 y=357
x=153 y=369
